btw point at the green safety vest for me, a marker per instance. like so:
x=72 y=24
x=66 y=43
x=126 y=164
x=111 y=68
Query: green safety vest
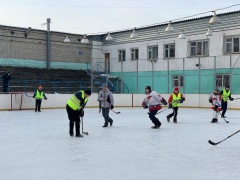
x=74 y=102
x=225 y=95
x=176 y=98
x=39 y=95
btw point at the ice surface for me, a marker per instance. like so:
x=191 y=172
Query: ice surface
x=37 y=146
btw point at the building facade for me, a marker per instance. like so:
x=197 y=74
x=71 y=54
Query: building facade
x=196 y=64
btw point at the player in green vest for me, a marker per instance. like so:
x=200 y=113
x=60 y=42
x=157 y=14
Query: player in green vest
x=38 y=95
x=226 y=94
x=74 y=107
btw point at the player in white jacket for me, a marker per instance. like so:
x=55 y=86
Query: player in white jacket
x=153 y=101
x=215 y=99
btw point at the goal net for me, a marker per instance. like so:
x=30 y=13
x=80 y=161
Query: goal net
x=21 y=101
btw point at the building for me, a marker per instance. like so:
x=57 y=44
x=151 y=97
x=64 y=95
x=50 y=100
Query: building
x=196 y=64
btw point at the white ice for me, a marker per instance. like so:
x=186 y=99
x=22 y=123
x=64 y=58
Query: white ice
x=37 y=146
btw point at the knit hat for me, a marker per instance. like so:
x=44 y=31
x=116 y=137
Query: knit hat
x=88 y=92
x=176 y=89
x=104 y=85
x=148 y=87
x=227 y=86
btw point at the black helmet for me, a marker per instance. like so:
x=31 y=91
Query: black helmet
x=148 y=87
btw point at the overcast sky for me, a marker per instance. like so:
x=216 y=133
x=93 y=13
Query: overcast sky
x=96 y=16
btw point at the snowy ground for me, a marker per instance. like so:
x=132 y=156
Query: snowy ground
x=37 y=146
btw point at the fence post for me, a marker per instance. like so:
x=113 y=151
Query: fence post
x=25 y=86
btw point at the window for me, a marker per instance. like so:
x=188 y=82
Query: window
x=232 y=45
x=153 y=53
x=222 y=80
x=134 y=54
x=169 y=50
x=199 y=48
x=121 y=55
x=178 y=81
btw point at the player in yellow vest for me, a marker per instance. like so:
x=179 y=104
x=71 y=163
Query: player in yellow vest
x=174 y=102
x=38 y=95
x=74 y=107
x=226 y=94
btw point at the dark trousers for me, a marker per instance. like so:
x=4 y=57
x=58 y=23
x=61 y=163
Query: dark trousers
x=224 y=107
x=38 y=104
x=5 y=86
x=105 y=113
x=155 y=120
x=73 y=116
x=174 y=113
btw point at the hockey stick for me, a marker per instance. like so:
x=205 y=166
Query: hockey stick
x=115 y=111
x=224 y=118
x=162 y=111
x=214 y=144
x=86 y=133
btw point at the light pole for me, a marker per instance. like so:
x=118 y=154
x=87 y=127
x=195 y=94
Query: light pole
x=48 y=43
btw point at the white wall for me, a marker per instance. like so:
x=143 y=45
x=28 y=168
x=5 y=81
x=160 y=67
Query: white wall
x=121 y=100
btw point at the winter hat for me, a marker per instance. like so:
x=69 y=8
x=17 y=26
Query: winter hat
x=176 y=89
x=104 y=85
x=88 y=92
x=227 y=86
x=148 y=87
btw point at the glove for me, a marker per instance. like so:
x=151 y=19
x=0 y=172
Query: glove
x=169 y=106
x=112 y=106
x=144 y=105
x=182 y=99
x=45 y=98
x=81 y=113
x=231 y=99
x=164 y=102
x=210 y=101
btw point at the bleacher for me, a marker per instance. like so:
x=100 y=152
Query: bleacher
x=53 y=80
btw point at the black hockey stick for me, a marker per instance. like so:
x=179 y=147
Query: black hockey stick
x=115 y=111
x=224 y=118
x=161 y=111
x=214 y=144
x=86 y=133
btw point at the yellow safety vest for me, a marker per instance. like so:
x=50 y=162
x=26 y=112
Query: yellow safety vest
x=225 y=95
x=74 y=102
x=176 y=99
x=39 y=95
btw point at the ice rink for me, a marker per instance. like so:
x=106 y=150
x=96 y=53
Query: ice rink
x=37 y=146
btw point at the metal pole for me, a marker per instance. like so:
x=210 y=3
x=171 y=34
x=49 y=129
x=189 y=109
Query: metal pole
x=121 y=76
x=230 y=79
x=199 y=75
x=214 y=72
x=168 y=76
x=91 y=71
x=152 y=76
x=183 y=75
x=48 y=43
x=137 y=76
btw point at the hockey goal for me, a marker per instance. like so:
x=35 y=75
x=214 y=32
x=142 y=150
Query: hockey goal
x=21 y=101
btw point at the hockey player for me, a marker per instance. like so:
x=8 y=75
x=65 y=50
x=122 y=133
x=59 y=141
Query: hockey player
x=38 y=95
x=105 y=97
x=215 y=100
x=174 y=102
x=226 y=94
x=153 y=101
x=75 y=109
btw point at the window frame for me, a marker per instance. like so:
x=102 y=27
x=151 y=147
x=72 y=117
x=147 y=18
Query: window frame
x=150 y=49
x=180 y=80
x=164 y=50
x=120 y=52
x=223 y=83
x=232 y=44
x=133 y=54
x=197 y=48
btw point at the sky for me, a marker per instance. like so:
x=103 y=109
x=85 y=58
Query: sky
x=95 y=16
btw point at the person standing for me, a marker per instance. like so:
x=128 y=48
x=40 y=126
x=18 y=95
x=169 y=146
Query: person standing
x=105 y=96
x=226 y=94
x=38 y=95
x=153 y=101
x=75 y=110
x=174 y=102
x=6 y=78
x=215 y=100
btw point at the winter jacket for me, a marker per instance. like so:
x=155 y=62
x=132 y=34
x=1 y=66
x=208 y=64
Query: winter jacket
x=106 y=98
